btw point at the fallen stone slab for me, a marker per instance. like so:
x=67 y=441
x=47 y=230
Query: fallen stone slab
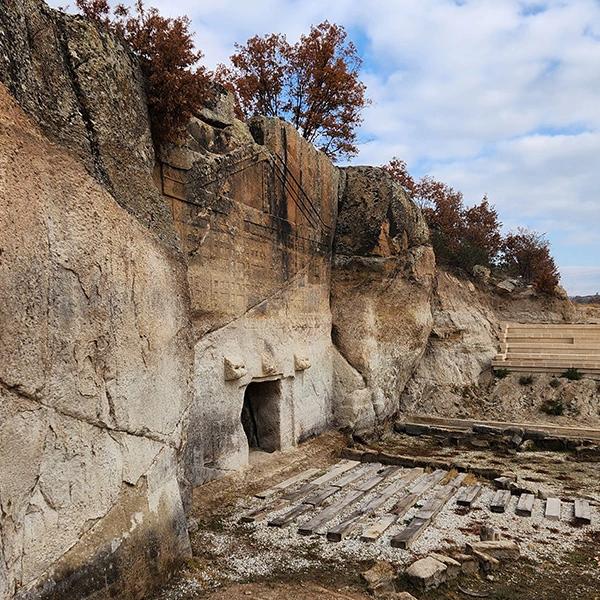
x=468 y=563
x=453 y=567
x=553 y=507
x=500 y=501
x=488 y=563
x=500 y=549
x=525 y=505
x=583 y=512
x=427 y=573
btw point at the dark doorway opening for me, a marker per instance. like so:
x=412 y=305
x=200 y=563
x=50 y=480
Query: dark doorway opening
x=261 y=416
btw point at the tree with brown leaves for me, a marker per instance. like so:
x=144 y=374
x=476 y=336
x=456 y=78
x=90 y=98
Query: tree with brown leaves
x=527 y=253
x=462 y=237
x=176 y=86
x=314 y=84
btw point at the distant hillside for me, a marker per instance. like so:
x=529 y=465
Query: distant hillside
x=595 y=299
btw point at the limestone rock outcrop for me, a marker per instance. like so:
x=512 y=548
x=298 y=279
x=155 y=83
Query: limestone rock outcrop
x=381 y=284
x=84 y=89
x=454 y=376
x=163 y=314
x=255 y=206
x=95 y=366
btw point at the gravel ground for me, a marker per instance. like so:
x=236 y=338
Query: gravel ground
x=229 y=553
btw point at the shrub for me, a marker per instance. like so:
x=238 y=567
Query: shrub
x=525 y=380
x=554 y=382
x=176 y=87
x=553 y=407
x=501 y=373
x=461 y=237
x=527 y=253
x=572 y=374
x=314 y=84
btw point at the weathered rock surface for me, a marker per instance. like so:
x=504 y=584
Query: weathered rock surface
x=255 y=206
x=454 y=377
x=427 y=573
x=84 y=89
x=380 y=295
x=94 y=379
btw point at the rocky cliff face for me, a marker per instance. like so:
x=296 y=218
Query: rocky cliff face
x=94 y=380
x=83 y=88
x=380 y=295
x=454 y=377
x=255 y=206
x=163 y=316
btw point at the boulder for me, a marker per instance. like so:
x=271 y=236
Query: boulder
x=380 y=577
x=506 y=286
x=427 y=573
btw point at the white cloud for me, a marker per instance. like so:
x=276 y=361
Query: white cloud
x=581 y=281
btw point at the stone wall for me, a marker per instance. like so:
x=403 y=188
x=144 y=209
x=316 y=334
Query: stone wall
x=95 y=371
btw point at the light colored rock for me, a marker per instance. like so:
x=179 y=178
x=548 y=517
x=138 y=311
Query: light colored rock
x=500 y=549
x=94 y=371
x=301 y=363
x=453 y=567
x=234 y=369
x=482 y=273
x=505 y=286
x=468 y=563
x=380 y=577
x=382 y=261
x=427 y=573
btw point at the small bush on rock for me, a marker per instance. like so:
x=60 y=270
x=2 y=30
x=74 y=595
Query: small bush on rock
x=525 y=380
x=554 y=382
x=572 y=374
x=176 y=86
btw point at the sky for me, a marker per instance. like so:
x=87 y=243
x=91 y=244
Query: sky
x=496 y=97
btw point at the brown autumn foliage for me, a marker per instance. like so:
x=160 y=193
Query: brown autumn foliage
x=527 y=253
x=176 y=86
x=314 y=84
x=463 y=237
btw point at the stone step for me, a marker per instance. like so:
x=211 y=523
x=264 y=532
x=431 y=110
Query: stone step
x=582 y=512
x=525 y=505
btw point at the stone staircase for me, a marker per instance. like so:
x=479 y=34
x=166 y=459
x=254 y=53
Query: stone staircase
x=550 y=348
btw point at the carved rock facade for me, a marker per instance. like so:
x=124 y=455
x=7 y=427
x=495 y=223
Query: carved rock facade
x=163 y=315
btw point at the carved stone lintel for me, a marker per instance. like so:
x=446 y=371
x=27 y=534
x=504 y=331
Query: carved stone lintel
x=234 y=369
